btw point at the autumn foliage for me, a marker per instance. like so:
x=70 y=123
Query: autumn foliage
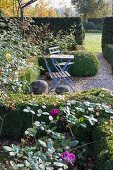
x=7 y=6
x=41 y=9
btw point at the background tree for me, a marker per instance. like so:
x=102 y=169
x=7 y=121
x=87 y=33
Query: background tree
x=88 y=7
x=15 y=7
x=24 y=7
x=41 y=9
x=105 y=11
x=7 y=6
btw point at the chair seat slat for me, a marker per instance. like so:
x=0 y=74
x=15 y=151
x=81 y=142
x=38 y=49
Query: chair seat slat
x=63 y=63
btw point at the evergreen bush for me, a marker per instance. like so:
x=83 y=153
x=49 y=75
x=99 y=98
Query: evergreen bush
x=108 y=53
x=107 y=32
x=85 y=64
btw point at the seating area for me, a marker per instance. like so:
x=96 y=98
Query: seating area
x=61 y=75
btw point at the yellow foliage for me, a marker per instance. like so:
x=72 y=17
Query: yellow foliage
x=7 y=7
x=41 y=9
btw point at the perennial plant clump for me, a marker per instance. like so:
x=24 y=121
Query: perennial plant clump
x=49 y=145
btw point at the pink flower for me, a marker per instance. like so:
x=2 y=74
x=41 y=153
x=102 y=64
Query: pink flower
x=64 y=155
x=69 y=157
x=54 y=112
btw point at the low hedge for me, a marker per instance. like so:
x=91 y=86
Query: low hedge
x=103 y=147
x=93 y=31
x=85 y=64
x=108 y=53
x=15 y=103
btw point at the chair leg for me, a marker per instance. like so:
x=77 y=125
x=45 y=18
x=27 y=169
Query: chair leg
x=66 y=80
x=54 y=83
x=71 y=80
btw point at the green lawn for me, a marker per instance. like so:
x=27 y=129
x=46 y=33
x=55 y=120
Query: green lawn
x=93 y=42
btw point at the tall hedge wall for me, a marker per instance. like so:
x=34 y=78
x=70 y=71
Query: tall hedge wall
x=107 y=32
x=56 y=24
x=64 y=24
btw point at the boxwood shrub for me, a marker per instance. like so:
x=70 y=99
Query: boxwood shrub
x=84 y=64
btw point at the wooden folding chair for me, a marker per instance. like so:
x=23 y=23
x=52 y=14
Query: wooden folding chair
x=61 y=76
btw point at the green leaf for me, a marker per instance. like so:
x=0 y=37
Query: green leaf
x=74 y=143
x=42 y=143
x=59 y=164
x=7 y=148
x=45 y=113
x=37 y=123
x=12 y=153
x=31 y=132
x=50 y=118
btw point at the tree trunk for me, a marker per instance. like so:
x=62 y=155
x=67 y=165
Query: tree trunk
x=85 y=17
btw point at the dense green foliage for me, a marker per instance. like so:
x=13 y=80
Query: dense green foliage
x=97 y=21
x=101 y=134
x=52 y=139
x=88 y=7
x=107 y=33
x=18 y=64
x=63 y=24
x=12 y=107
x=108 y=53
x=85 y=64
x=90 y=26
x=103 y=148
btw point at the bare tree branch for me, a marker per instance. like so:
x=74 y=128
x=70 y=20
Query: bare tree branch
x=28 y=3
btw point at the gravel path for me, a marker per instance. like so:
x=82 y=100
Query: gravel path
x=103 y=79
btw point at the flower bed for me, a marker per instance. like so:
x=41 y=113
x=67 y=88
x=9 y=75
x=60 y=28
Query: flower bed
x=67 y=130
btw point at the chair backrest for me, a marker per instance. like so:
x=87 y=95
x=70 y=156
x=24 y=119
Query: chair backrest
x=55 y=62
x=54 y=50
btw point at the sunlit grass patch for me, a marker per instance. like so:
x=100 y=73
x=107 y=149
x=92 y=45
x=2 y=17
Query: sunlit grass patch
x=93 y=42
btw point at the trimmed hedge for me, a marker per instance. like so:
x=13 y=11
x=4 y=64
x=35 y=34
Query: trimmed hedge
x=60 y=24
x=17 y=121
x=63 y=24
x=103 y=148
x=85 y=64
x=90 y=26
x=97 y=21
x=108 y=53
x=107 y=33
